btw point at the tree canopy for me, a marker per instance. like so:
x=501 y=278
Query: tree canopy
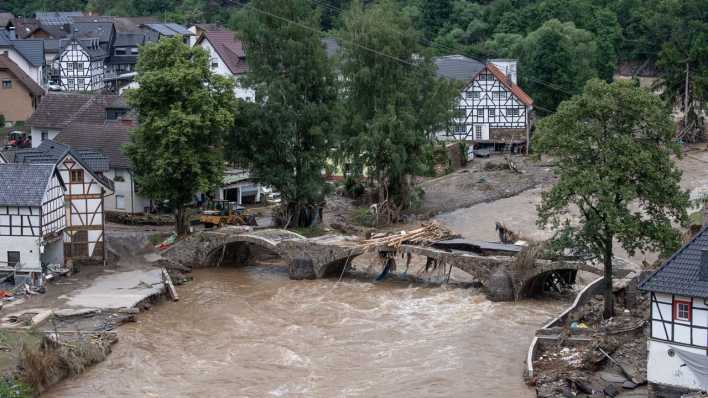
x=613 y=146
x=184 y=111
x=287 y=134
x=393 y=103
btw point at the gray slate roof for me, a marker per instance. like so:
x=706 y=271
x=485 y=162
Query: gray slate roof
x=24 y=184
x=53 y=152
x=457 y=67
x=680 y=273
x=31 y=50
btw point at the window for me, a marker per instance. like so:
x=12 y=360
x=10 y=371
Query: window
x=45 y=135
x=79 y=66
x=491 y=112
x=81 y=83
x=460 y=128
x=476 y=94
x=120 y=202
x=477 y=132
x=134 y=51
x=512 y=111
x=120 y=51
x=469 y=94
x=480 y=114
x=214 y=65
x=498 y=95
x=71 y=84
x=77 y=176
x=7 y=84
x=13 y=258
x=682 y=310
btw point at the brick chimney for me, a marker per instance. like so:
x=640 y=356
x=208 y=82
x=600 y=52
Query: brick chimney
x=703 y=274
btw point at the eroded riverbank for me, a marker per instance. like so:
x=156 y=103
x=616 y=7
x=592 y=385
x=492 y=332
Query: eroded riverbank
x=253 y=332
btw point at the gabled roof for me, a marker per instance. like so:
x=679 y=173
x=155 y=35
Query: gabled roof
x=168 y=29
x=108 y=137
x=680 y=273
x=25 y=27
x=58 y=109
x=506 y=82
x=129 y=39
x=24 y=184
x=9 y=65
x=103 y=31
x=229 y=48
x=457 y=67
x=53 y=152
x=31 y=49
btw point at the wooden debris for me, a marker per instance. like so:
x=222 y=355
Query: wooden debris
x=168 y=284
x=419 y=236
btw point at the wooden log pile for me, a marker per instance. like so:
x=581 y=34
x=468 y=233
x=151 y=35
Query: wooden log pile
x=422 y=236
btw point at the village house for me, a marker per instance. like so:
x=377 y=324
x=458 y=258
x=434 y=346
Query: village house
x=98 y=123
x=19 y=94
x=493 y=111
x=85 y=194
x=27 y=54
x=678 y=343
x=227 y=57
x=32 y=220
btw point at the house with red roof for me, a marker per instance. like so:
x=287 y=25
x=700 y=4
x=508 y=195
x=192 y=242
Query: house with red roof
x=493 y=111
x=227 y=57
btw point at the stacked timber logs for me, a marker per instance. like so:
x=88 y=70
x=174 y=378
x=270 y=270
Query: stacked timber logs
x=420 y=236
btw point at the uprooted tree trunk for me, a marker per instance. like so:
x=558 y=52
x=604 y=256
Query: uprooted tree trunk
x=298 y=215
x=609 y=296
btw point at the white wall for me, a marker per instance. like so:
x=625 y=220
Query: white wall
x=35 y=72
x=28 y=246
x=663 y=368
x=53 y=252
x=223 y=70
x=681 y=331
x=131 y=201
x=508 y=66
x=37 y=135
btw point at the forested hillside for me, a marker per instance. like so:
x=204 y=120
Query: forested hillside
x=560 y=43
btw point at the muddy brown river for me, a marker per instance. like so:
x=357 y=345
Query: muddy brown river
x=252 y=332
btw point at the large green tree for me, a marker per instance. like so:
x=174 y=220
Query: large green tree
x=184 y=111
x=286 y=135
x=613 y=146
x=555 y=62
x=393 y=101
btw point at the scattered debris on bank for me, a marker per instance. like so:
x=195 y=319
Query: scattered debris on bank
x=587 y=356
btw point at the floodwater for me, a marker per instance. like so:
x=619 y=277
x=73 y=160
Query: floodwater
x=252 y=332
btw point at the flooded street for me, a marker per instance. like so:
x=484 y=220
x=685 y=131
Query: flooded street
x=252 y=332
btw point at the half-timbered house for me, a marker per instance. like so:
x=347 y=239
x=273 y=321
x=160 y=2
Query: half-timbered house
x=678 y=343
x=86 y=190
x=32 y=220
x=493 y=111
x=81 y=65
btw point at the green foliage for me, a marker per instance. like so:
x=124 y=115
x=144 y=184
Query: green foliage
x=287 y=133
x=555 y=62
x=184 y=110
x=612 y=146
x=353 y=187
x=11 y=388
x=393 y=103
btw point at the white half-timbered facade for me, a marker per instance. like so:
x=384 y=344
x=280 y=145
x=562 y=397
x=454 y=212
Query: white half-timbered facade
x=86 y=190
x=81 y=65
x=492 y=110
x=678 y=346
x=32 y=220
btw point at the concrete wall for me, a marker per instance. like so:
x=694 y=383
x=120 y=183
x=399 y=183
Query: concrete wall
x=53 y=252
x=15 y=102
x=663 y=368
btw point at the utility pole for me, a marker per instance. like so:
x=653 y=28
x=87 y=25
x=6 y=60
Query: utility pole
x=685 y=102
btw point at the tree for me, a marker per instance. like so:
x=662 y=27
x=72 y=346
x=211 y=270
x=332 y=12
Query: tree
x=184 y=110
x=286 y=136
x=612 y=145
x=555 y=62
x=394 y=101
x=434 y=14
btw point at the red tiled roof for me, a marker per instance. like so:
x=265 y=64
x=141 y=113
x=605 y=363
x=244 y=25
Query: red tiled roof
x=229 y=48
x=504 y=80
x=7 y=64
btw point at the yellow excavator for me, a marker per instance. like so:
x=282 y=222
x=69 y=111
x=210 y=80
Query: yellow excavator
x=223 y=212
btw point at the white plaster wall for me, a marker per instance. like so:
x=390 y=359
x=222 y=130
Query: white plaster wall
x=28 y=246
x=21 y=215
x=665 y=369
x=136 y=203
x=223 y=70
x=36 y=133
x=35 y=72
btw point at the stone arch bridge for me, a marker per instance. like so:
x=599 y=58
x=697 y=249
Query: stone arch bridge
x=311 y=258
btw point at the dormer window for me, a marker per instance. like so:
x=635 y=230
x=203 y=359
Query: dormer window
x=120 y=51
x=134 y=51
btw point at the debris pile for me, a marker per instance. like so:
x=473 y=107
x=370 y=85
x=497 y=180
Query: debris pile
x=423 y=236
